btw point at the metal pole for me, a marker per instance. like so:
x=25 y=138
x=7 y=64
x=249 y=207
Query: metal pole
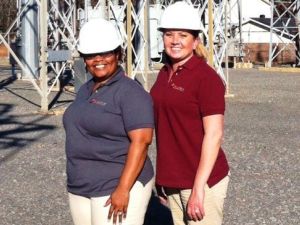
x=87 y=6
x=271 y=34
x=139 y=40
x=103 y=10
x=226 y=51
x=210 y=33
x=297 y=19
x=129 y=37
x=240 y=28
x=146 y=35
x=74 y=21
x=19 y=7
x=43 y=56
x=58 y=39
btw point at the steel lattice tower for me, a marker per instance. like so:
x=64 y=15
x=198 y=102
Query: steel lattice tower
x=60 y=20
x=285 y=22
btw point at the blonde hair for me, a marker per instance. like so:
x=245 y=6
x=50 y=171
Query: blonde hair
x=201 y=51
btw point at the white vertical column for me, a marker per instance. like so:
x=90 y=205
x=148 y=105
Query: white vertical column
x=271 y=35
x=297 y=19
x=29 y=39
x=43 y=56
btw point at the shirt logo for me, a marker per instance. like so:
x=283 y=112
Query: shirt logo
x=174 y=86
x=97 y=102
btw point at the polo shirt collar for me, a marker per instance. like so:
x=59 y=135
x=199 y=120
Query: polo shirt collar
x=190 y=64
x=117 y=76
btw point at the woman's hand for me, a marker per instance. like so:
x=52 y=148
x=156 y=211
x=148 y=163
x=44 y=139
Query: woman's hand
x=163 y=200
x=213 y=129
x=161 y=195
x=140 y=139
x=118 y=202
x=195 y=207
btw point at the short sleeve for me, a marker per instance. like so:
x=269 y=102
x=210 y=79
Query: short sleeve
x=137 y=108
x=211 y=95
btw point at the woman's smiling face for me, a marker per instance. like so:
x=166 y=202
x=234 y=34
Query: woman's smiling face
x=102 y=65
x=179 y=45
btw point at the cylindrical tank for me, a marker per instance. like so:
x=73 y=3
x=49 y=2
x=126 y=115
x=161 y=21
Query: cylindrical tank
x=29 y=39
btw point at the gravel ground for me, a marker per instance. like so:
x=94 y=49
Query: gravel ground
x=262 y=133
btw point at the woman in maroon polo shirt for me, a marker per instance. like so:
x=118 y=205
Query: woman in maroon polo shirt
x=192 y=170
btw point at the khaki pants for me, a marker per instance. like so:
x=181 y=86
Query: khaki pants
x=213 y=204
x=91 y=211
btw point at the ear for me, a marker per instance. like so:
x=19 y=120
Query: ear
x=196 y=42
x=119 y=57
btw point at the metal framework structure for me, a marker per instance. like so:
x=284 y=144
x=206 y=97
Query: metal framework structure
x=59 y=21
x=285 y=22
x=56 y=37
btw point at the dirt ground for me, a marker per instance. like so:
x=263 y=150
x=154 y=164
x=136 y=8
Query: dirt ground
x=262 y=143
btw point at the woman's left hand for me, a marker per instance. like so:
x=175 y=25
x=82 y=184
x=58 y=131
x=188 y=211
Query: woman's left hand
x=140 y=139
x=195 y=207
x=213 y=129
x=118 y=202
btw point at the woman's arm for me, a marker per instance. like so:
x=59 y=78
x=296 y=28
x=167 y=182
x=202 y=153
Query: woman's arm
x=137 y=153
x=213 y=134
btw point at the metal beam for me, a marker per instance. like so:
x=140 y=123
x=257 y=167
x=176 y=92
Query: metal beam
x=210 y=32
x=129 y=38
x=43 y=55
x=284 y=23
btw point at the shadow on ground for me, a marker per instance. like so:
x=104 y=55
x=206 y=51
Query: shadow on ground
x=6 y=82
x=157 y=214
x=15 y=134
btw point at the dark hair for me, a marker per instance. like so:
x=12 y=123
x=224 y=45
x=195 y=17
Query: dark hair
x=120 y=52
x=195 y=33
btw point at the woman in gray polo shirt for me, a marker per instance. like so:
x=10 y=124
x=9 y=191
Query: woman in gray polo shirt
x=108 y=129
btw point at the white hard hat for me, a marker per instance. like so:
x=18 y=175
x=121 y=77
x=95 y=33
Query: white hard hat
x=180 y=15
x=98 y=35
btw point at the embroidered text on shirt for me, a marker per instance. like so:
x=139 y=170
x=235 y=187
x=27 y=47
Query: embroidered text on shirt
x=97 y=102
x=174 y=86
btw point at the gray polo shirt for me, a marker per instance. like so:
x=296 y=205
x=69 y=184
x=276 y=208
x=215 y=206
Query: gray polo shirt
x=96 y=126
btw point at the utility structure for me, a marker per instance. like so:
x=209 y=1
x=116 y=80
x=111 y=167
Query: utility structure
x=285 y=22
x=60 y=20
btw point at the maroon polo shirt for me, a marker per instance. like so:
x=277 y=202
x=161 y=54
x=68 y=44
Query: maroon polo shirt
x=195 y=91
